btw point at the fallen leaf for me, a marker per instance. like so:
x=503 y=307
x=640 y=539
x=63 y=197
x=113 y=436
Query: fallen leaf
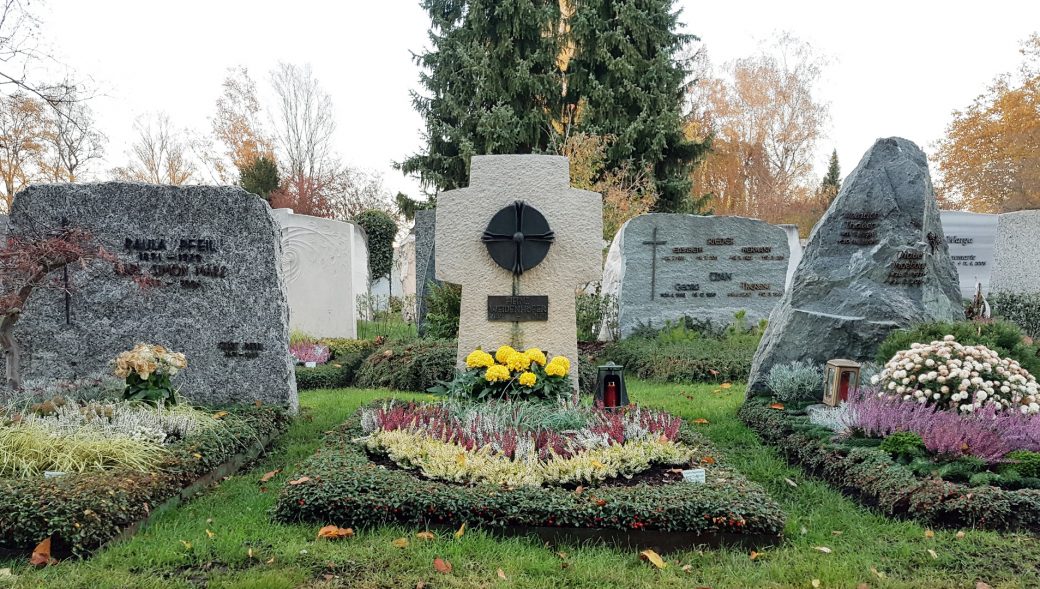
x=401 y=542
x=461 y=531
x=220 y=414
x=777 y=406
x=41 y=555
x=823 y=549
x=879 y=574
x=501 y=574
x=579 y=490
x=862 y=586
x=249 y=553
x=725 y=385
x=959 y=535
x=933 y=553
x=790 y=482
x=653 y=558
x=700 y=421
x=754 y=555
x=441 y=566
x=186 y=544
x=982 y=585
x=601 y=502
x=209 y=534
x=929 y=534
x=335 y=532
x=687 y=568
x=561 y=554
x=420 y=585
x=300 y=481
x=816 y=583
x=196 y=455
x=427 y=535
x=836 y=532
x=269 y=560
x=708 y=460
x=269 y=475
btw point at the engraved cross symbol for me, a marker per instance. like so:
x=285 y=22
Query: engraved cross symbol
x=65 y=278
x=653 y=262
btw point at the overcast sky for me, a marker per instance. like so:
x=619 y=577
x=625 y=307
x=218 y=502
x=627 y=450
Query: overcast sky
x=897 y=67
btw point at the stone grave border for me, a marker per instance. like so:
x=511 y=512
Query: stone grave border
x=363 y=494
x=871 y=477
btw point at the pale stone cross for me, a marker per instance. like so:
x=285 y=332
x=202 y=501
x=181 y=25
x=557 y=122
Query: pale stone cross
x=574 y=258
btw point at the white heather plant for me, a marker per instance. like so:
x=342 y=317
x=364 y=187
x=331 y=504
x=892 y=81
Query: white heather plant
x=959 y=378
x=796 y=381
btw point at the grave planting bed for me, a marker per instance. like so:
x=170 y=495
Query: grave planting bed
x=346 y=485
x=871 y=475
x=81 y=512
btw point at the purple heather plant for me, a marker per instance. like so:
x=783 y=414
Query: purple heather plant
x=987 y=433
x=309 y=352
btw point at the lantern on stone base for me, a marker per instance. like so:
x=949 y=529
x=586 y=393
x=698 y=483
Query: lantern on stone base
x=610 y=386
x=840 y=378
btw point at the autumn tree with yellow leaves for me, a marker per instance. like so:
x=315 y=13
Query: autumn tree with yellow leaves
x=989 y=161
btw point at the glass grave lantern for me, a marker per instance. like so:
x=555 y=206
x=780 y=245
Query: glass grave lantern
x=610 y=386
x=840 y=378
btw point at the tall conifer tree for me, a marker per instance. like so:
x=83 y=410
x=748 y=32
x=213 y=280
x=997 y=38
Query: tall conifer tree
x=627 y=79
x=489 y=82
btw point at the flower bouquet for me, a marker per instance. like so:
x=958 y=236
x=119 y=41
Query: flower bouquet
x=148 y=369
x=511 y=374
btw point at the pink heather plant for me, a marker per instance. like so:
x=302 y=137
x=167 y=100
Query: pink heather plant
x=310 y=352
x=987 y=433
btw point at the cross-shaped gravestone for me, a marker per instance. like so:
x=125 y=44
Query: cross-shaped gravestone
x=516 y=190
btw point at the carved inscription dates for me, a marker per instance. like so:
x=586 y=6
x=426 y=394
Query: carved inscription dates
x=241 y=349
x=720 y=284
x=965 y=259
x=518 y=308
x=909 y=269
x=859 y=228
x=186 y=262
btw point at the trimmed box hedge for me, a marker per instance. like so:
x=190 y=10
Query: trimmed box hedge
x=343 y=486
x=82 y=512
x=872 y=476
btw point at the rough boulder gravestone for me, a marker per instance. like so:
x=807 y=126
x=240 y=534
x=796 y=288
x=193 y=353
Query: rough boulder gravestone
x=519 y=240
x=876 y=261
x=707 y=268
x=216 y=293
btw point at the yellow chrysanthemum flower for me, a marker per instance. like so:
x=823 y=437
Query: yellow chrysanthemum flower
x=557 y=368
x=479 y=359
x=503 y=354
x=527 y=379
x=536 y=356
x=518 y=361
x=496 y=373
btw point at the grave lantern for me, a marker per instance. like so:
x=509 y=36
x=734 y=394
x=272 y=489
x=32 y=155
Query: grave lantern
x=841 y=378
x=610 y=386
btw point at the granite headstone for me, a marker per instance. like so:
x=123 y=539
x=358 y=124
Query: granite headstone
x=971 y=237
x=321 y=260
x=211 y=256
x=706 y=268
x=425 y=261
x=876 y=261
x=1016 y=264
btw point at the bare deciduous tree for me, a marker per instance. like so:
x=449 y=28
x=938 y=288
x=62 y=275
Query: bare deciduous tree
x=72 y=140
x=304 y=121
x=161 y=154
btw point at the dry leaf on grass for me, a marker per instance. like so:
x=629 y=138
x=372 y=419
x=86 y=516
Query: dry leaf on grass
x=790 y=482
x=41 y=555
x=300 y=481
x=401 y=542
x=816 y=583
x=777 y=406
x=823 y=549
x=933 y=553
x=461 y=531
x=982 y=585
x=879 y=574
x=726 y=385
x=960 y=535
x=335 y=532
x=929 y=534
x=653 y=558
x=270 y=475
x=836 y=532
x=501 y=574
x=700 y=421
x=210 y=534
x=755 y=555
x=686 y=568
x=427 y=535
x=441 y=566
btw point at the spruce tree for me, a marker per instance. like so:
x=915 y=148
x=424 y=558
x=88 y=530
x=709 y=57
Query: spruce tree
x=832 y=181
x=488 y=83
x=627 y=80
x=259 y=177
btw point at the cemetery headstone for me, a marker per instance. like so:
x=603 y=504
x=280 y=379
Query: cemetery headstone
x=971 y=237
x=216 y=293
x=320 y=262
x=706 y=268
x=876 y=261
x=794 y=245
x=519 y=240
x=1017 y=250
x=425 y=266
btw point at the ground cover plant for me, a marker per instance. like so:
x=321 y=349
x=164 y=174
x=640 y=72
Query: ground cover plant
x=224 y=538
x=340 y=369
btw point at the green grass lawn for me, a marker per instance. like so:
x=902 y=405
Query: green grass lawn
x=208 y=541
x=392 y=327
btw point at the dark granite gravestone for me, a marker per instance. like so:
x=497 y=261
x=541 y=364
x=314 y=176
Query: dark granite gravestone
x=425 y=269
x=212 y=255
x=707 y=268
x=876 y=261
